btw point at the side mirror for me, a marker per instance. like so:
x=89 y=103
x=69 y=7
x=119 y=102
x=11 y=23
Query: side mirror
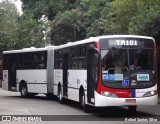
x=95 y=54
x=92 y=47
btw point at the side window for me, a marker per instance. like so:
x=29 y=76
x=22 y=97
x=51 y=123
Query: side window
x=5 y=62
x=58 y=59
x=77 y=58
x=74 y=58
x=20 y=61
x=82 y=57
x=35 y=60
x=26 y=63
x=70 y=62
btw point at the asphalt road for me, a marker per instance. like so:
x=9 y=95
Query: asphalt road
x=50 y=110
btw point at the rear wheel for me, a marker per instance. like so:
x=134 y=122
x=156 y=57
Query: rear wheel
x=23 y=90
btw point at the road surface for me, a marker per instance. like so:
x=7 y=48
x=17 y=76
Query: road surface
x=11 y=104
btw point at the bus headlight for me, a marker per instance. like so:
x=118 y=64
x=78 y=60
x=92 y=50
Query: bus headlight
x=108 y=94
x=150 y=93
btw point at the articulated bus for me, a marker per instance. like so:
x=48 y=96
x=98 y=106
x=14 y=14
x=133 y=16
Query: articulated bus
x=114 y=70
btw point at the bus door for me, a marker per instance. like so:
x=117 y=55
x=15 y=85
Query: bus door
x=91 y=78
x=12 y=73
x=65 y=74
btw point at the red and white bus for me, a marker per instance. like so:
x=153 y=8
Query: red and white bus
x=115 y=70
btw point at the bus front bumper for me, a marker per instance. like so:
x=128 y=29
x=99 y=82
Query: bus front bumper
x=102 y=101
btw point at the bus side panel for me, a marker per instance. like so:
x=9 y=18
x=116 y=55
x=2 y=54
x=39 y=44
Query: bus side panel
x=58 y=76
x=5 y=80
x=33 y=78
x=76 y=78
x=37 y=88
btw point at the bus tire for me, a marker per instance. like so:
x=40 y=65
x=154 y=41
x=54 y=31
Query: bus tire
x=132 y=108
x=32 y=95
x=50 y=96
x=60 y=97
x=23 y=90
x=83 y=104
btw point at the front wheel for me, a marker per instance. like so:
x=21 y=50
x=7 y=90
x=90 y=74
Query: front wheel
x=24 y=90
x=83 y=105
x=60 y=98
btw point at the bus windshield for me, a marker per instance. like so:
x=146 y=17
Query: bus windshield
x=128 y=68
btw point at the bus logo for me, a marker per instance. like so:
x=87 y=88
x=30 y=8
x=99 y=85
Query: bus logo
x=142 y=77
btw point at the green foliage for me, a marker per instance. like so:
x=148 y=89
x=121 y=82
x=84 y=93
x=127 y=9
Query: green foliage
x=95 y=12
x=85 y=19
x=43 y=7
x=147 y=19
x=29 y=32
x=8 y=26
x=16 y=31
x=139 y=17
x=72 y=20
x=68 y=24
x=121 y=14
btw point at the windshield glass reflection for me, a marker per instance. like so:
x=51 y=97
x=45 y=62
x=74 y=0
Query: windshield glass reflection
x=121 y=67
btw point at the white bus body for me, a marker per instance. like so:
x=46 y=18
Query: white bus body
x=71 y=71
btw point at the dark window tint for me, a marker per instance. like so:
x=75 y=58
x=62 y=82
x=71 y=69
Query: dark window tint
x=58 y=59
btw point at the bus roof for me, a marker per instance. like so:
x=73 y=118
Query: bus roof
x=96 y=39
x=91 y=39
x=32 y=49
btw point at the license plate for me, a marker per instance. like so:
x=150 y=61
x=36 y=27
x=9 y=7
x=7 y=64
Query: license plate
x=130 y=100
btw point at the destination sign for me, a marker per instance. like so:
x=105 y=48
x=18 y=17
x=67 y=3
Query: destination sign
x=127 y=42
x=108 y=43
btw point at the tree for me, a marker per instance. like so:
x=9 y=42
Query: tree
x=128 y=16
x=95 y=12
x=8 y=26
x=120 y=15
x=68 y=24
x=43 y=7
x=16 y=31
x=85 y=19
x=29 y=32
x=147 y=19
